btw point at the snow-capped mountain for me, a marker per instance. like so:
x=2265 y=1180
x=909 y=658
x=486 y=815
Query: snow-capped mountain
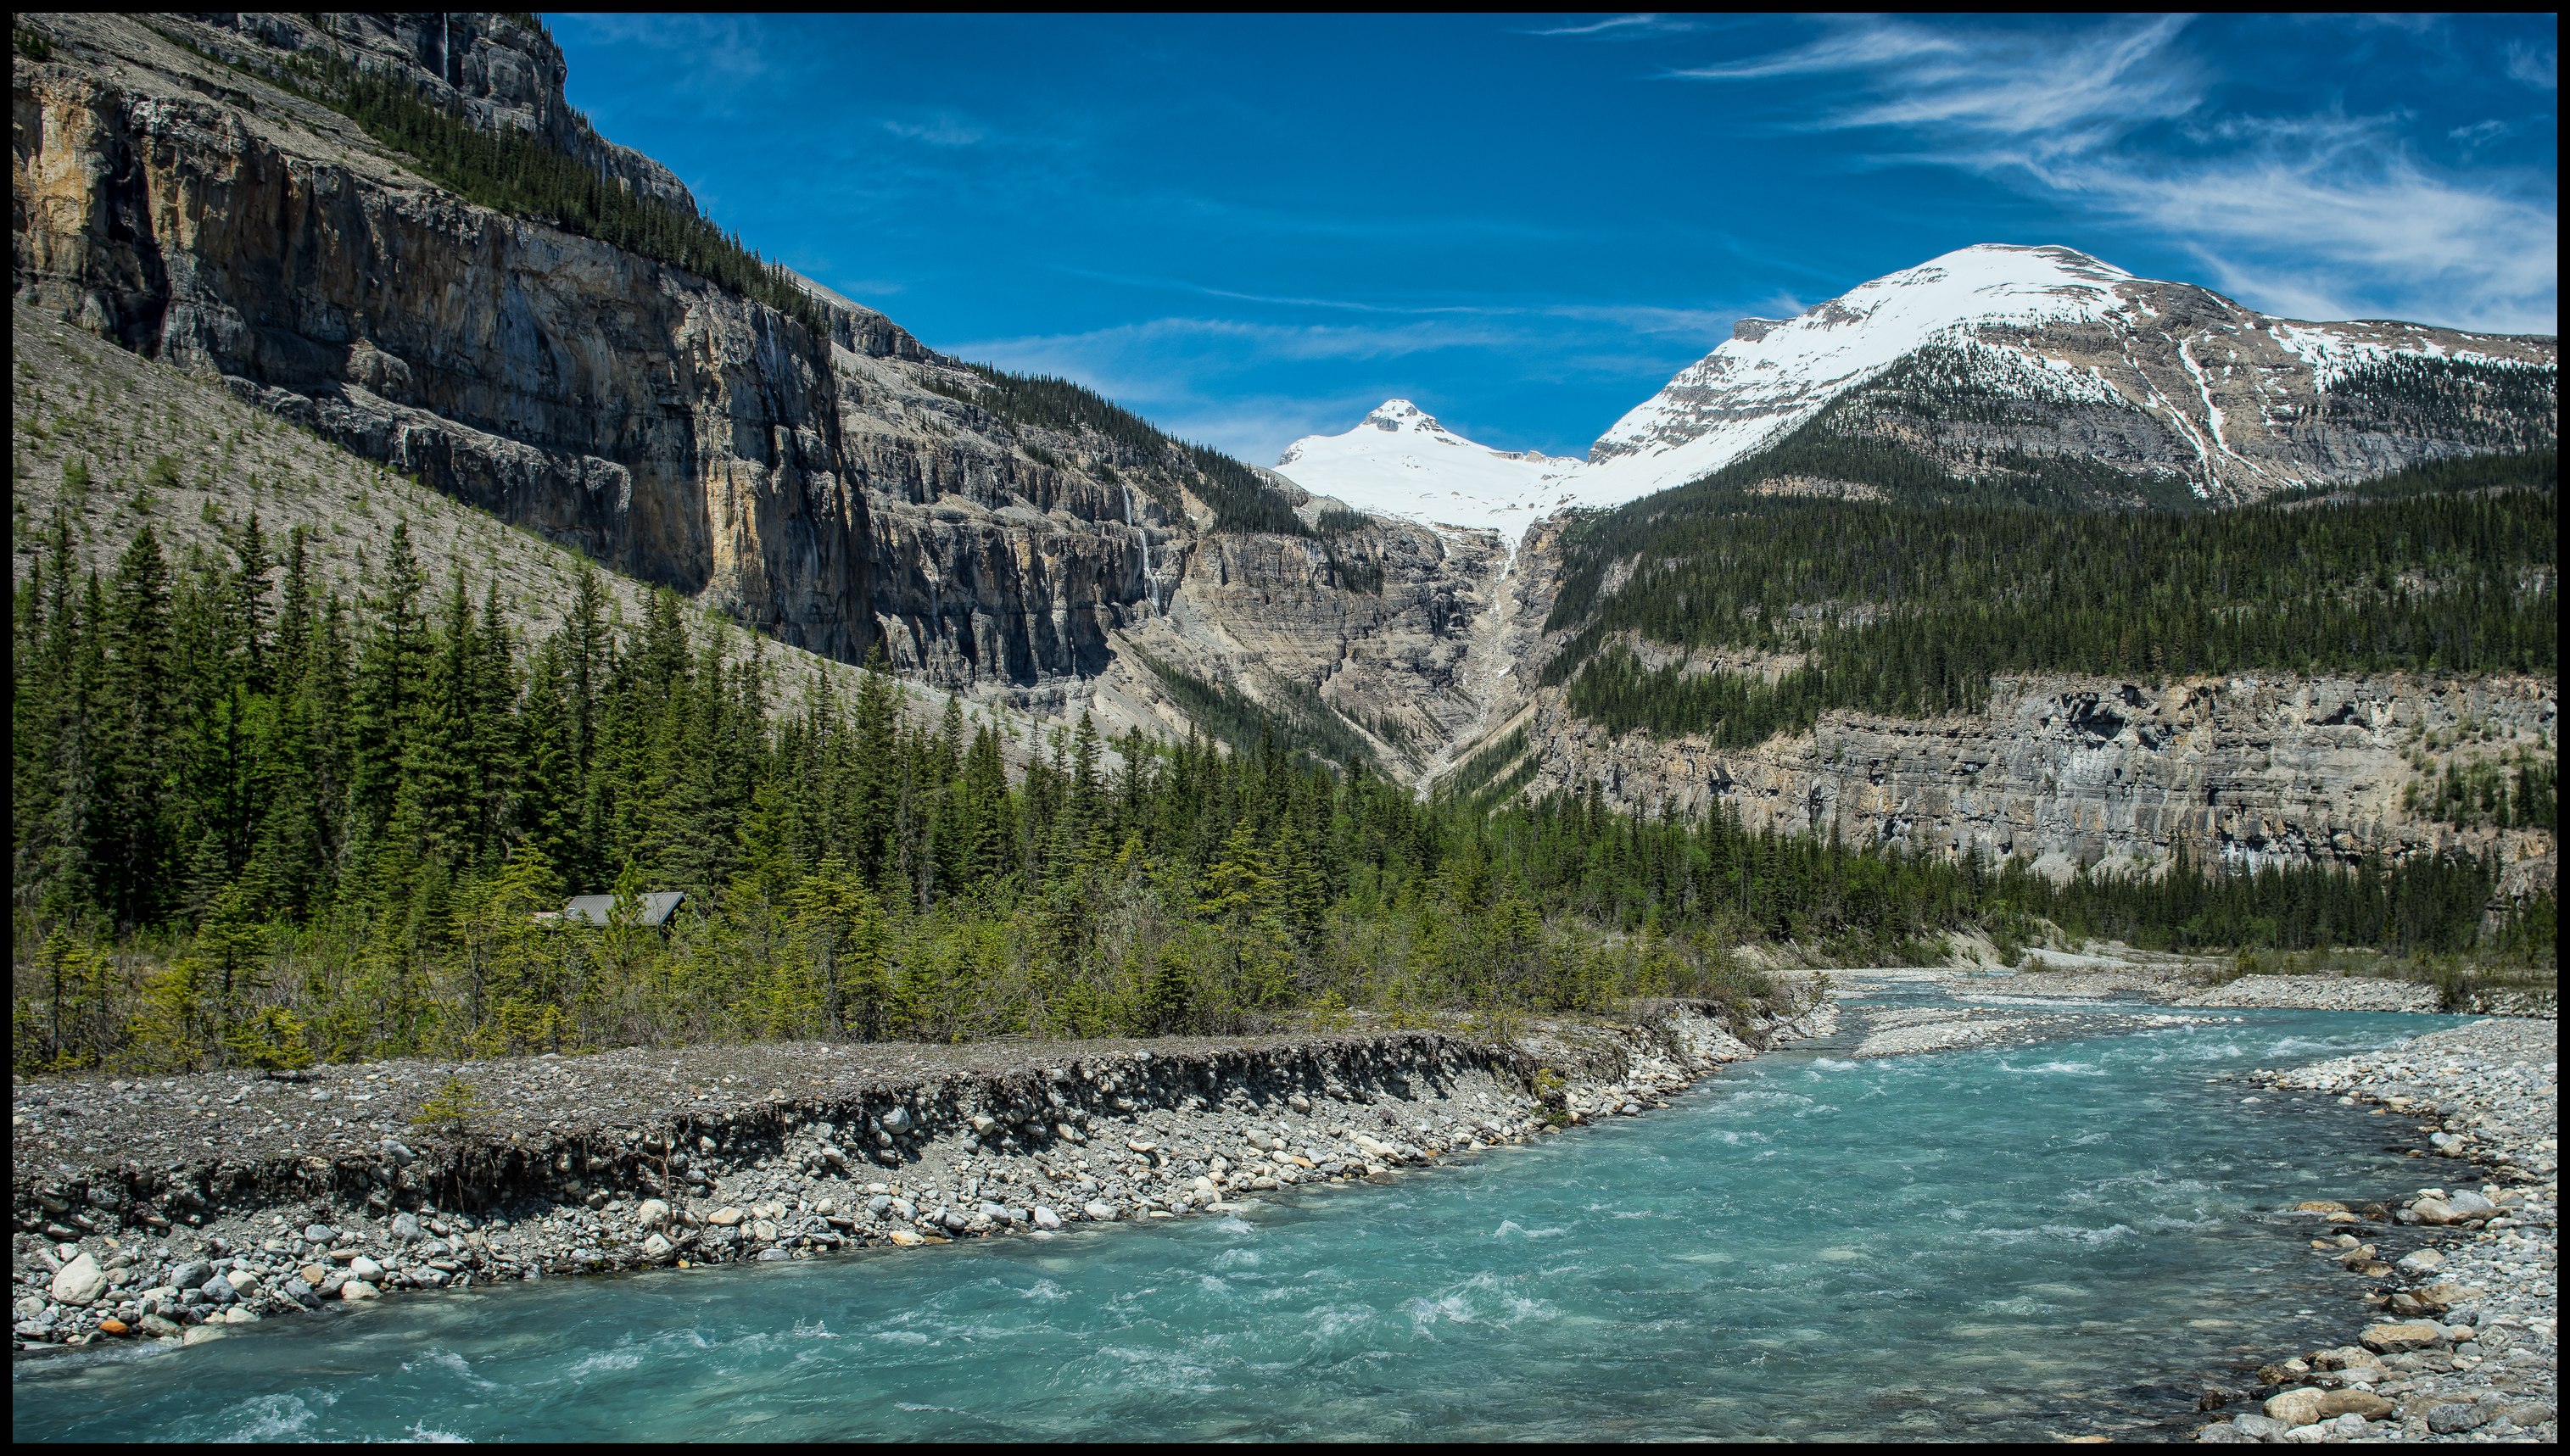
x=1992 y=356
x=1400 y=461
x=1777 y=373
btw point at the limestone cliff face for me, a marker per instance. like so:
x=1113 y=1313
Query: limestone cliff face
x=675 y=430
x=2068 y=770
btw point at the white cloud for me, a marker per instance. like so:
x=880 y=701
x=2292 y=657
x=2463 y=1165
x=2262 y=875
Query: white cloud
x=2322 y=215
x=1621 y=26
x=937 y=130
x=2535 y=66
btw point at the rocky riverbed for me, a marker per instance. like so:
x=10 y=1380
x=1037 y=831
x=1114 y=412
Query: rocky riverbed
x=2094 y=980
x=172 y=1208
x=2464 y=1343
x=1913 y=1030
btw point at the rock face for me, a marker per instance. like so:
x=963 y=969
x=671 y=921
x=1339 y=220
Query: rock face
x=2258 y=769
x=678 y=432
x=838 y=492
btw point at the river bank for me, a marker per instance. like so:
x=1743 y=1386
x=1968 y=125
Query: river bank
x=2465 y=1345
x=2093 y=979
x=172 y=1208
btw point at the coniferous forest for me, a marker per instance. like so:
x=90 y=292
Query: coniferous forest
x=257 y=823
x=1912 y=608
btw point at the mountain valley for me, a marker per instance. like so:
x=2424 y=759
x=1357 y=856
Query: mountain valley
x=800 y=465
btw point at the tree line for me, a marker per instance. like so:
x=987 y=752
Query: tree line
x=256 y=823
x=1912 y=610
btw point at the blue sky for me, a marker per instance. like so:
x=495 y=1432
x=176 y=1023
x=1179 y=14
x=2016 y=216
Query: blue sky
x=1253 y=228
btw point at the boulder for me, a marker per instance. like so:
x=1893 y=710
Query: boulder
x=79 y=1283
x=2308 y=1407
x=356 y=1290
x=2455 y=1417
x=652 y=1212
x=725 y=1216
x=2417 y=1334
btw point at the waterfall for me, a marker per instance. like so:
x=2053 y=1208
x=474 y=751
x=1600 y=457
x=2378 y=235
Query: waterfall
x=1150 y=584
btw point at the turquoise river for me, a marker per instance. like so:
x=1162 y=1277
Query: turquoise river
x=2063 y=1237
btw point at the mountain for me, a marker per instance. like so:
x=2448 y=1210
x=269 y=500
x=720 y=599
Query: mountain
x=2036 y=372
x=391 y=235
x=393 y=230
x=1400 y=461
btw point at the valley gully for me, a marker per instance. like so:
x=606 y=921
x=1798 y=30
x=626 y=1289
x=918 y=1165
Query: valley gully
x=2124 y=1224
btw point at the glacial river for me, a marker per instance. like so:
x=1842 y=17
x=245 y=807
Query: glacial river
x=2054 y=1239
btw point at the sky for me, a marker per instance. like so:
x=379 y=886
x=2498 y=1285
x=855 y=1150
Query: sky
x=1253 y=228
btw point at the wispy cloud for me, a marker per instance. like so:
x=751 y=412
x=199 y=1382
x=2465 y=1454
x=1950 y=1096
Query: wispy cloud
x=937 y=130
x=2321 y=214
x=1623 y=26
x=2535 y=66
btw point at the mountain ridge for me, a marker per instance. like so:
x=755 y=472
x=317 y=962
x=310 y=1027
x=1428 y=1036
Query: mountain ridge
x=2169 y=383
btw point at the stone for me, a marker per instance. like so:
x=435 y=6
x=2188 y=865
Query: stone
x=113 y=1325
x=200 y=1334
x=897 y=1121
x=406 y=1229
x=318 y=1234
x=656 y=1247
x=652 y=1212
x=357 y=1290
x=2423 y=1260
x=2258 y=1427
x=905 y=1239
x=774 y=1255
x=363 y=1267
x=190 y=1273
x=724 y=1218
x=160 y=1327
x=79 y=1283
x=220 y=1289
x=239 y=1315
x=2308 y=1407
x=2455 y=1417
x=2407 y=1336
x=1046 y=1217
x=1098 y=1213
x=312 y=1273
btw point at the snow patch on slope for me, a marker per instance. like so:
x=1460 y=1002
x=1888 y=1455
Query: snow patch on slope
x=1400 y=461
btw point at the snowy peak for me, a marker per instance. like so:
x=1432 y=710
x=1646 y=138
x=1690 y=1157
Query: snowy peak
x=1400 y=461
x=2055 y=355
x=1774 y=374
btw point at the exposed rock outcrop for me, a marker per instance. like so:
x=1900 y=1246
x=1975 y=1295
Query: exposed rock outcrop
x=673 y=429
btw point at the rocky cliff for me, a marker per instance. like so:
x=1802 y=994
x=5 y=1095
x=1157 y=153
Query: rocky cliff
x=817 y=475
x=2063 y=770
x=199 y=216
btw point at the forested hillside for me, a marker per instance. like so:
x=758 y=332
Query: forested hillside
x=256 y=821
x=1910 y=609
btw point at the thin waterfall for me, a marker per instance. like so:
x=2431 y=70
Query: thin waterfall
x=1150 y=584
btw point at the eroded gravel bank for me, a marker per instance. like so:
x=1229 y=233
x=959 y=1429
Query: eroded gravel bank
x=172 y=1208
x=2465 y=1343
x=2091 y=982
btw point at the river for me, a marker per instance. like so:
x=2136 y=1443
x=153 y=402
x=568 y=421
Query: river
x=2024 y=1242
